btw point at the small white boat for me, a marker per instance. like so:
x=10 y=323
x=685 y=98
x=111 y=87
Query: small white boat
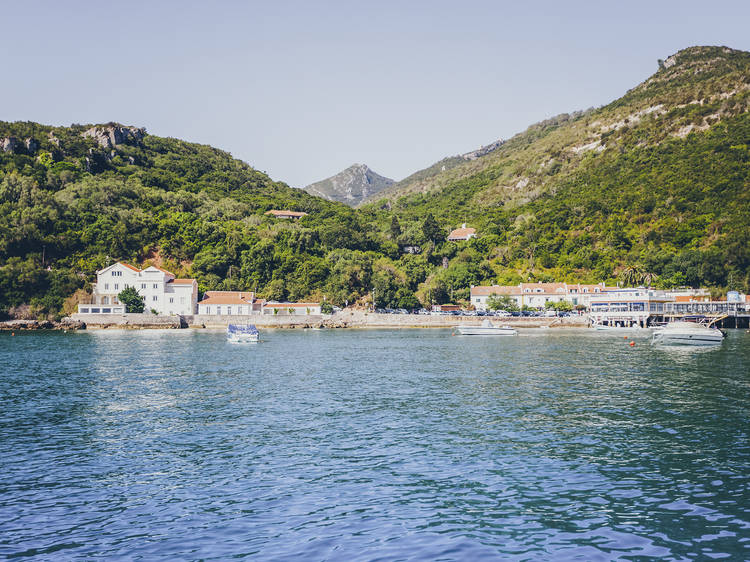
x=247 y=333
x=486 y=329
x=684 y=332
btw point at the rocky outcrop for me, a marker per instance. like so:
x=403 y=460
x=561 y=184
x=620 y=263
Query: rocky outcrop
x=64 y=324
x=350 y=186
x=10 y=144
x=109 y=136
x=483 y=150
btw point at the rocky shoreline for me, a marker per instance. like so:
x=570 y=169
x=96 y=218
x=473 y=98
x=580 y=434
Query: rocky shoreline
x=22 y=325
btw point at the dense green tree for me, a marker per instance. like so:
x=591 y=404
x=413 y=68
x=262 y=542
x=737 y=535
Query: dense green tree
x=131 y=299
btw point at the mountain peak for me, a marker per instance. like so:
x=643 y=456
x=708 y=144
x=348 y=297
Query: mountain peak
x=351 y=185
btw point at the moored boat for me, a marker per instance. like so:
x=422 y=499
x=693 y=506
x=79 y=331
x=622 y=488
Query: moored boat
x=486 y=329
x=242 y=333
x=685 y=332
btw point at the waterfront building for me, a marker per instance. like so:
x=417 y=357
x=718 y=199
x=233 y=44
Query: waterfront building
x=537 y=295
x=230 y=303
x=291 y=308
x=162 y=292
x=285 y=214
x=462 y=233
x=628 y=307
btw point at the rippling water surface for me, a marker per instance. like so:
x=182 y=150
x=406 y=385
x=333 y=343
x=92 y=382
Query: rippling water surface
x=372 y=445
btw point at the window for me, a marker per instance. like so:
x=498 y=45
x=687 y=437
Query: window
x=155 y=298
x=156 y=285
x=218 y=310
x=143 y=285
x=229 y=310
x=171 y=300
x=106 y=310
x=117 y=286
x=106 y=286
x=182 y=300
x=117 y=274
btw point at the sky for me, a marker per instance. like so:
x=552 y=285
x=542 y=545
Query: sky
x=302 y=90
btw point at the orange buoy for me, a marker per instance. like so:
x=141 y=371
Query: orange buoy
x=625 y=337
x=632 y=344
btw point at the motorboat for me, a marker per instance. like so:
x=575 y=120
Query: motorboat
x=242 y=333
x=619 y=326
x=486 y=329
x=686 y=332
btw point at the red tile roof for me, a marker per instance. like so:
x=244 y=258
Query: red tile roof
x=495 y=290
x=164 y=270
x=228 y=297
x=129 y=266
x=295 y=214
x=461 y=233
x=182 y=281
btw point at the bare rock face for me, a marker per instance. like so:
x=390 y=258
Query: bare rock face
x=350 y=186
x=31 y=145
x=483 y=150
x=10 y=144
x=109 y=136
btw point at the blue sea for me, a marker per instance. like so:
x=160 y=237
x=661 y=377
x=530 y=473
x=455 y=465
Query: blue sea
x=372 y=445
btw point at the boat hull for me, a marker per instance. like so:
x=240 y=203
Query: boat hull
x=688 y=339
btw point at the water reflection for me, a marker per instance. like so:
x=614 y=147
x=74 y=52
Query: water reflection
x=368 y=444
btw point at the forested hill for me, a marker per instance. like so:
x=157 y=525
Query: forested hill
x=657 y=181
x=653 y=185
x=73 y=199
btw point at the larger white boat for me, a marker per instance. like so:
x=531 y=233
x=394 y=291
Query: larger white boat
x=684 y=332
x=246 y=333
x=486 y=329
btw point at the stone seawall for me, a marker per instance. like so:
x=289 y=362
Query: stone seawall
x=343 y=319
x=359 y=319
x=98 y=321
x=260 y=320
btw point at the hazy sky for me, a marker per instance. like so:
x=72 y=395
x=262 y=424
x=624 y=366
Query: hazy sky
x=302 y=90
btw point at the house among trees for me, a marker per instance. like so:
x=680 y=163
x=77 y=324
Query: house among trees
x=286 y=214
x=462 y=233
x=160 y=289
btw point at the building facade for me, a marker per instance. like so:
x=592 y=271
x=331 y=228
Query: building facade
x=537 y=295
x=162 y=292
x=230 y=303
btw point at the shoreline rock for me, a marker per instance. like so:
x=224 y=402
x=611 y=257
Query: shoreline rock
x=24 y=325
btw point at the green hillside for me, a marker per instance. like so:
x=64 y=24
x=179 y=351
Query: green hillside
x=656 y=181
x=653 y=185
x=70 y=204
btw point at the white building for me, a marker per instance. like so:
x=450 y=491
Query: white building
x=162 y=292
x=289 y=308
x=626 y=307
x=462 y=233
x=230 y=303
x=537 y=295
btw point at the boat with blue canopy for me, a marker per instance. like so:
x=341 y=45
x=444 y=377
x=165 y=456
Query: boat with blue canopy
x=242 y=333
